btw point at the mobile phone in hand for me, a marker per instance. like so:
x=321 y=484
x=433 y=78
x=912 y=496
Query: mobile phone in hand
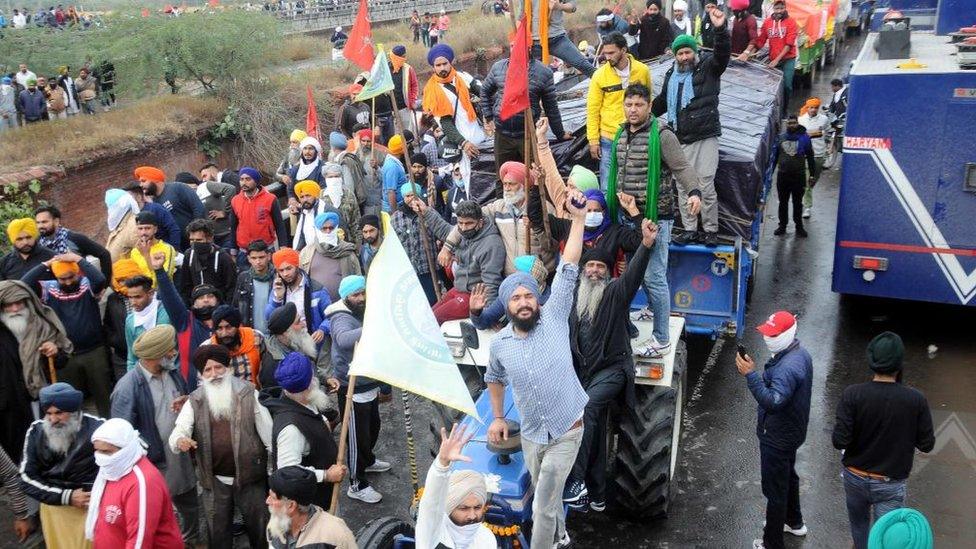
x=741 y=350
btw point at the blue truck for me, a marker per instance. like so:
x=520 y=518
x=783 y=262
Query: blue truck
x=710 y=288
x=908 y=186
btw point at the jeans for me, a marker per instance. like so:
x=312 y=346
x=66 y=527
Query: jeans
x=549 y=466
x=604 y=387
x=219 y=505
x=865 y=495
x=605 y=148
x=8 y=123
x=781 y=486
x=562 y=47
x=656 y=281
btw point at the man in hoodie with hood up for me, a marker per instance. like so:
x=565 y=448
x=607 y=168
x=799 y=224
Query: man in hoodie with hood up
x=797 y=168
x=479 y=257
x=346 y=318
x=783 y=394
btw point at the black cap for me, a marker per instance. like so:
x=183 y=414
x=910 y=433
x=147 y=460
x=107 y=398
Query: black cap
x=885 y=353
x=204 y=289
x=420 y=158
x=295 y=483
x=147 y=218
x=282 y=318
x=188 y=178
x=597 y=253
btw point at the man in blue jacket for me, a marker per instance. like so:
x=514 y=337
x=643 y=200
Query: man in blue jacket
x=783 y=394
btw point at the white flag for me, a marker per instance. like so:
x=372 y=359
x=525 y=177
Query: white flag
x=401 y=343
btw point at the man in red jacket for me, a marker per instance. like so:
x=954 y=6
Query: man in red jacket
x=255 y=215
x=780 y=30
x=130 y=505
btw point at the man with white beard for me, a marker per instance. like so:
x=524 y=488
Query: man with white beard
x=296 y=521
x=230 y=432
x=287 y=334
x=30 y=332
x=510 y=214
x=603 y=359
x=300 y=432
x=58 y=467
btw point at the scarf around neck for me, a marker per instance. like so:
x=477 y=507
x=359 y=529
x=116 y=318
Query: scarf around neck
x=684 y=81
x=110 y=469
x=306 y=169
x=653 y=172
x=435 y=100
x=146 y=318
x=58 y=242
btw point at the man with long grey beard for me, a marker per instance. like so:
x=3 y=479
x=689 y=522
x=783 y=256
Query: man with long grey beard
x=296 y=520
x=230 y=432
x=287 y=334
x=58 y=468
x=301 y=433
x=603 y=359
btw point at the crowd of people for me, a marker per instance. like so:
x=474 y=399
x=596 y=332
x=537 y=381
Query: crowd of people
x=185 y=378
x=53 y=17
x=26 y=98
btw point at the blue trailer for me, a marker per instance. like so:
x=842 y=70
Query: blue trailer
x=908 y=186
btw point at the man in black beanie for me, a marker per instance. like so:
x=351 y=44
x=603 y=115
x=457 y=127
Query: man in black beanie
x=295 y=519
x=879 y=425
x=372 y=238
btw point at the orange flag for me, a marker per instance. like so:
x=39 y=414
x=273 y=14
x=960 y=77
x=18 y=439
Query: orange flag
x=311 y=117
x=515 y=97
x=359 y=47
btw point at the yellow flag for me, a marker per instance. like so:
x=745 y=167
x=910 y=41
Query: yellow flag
x=401 y=343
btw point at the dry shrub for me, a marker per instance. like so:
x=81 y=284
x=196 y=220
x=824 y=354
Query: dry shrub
x=82 y=138
x=302 y=47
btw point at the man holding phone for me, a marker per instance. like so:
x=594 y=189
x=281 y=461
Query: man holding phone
x=783 y=393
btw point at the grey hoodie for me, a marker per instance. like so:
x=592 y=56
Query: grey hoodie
x=479 y=260
x=346 y=330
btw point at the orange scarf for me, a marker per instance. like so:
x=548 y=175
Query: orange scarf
x=397 y=62
x=435 y=100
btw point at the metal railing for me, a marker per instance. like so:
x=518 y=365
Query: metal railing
x=327 y=14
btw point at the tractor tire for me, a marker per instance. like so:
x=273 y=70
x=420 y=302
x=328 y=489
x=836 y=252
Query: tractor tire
x=646 y=453
x=381 y=533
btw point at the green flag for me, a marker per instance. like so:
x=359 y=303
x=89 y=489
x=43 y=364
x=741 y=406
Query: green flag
x=380 y=80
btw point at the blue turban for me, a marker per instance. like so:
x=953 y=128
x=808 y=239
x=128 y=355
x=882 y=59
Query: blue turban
x=400 y=50
x=294 y=373
x=407 y=189
x=249 y=171
x=62 y=396
x=350 y=285
x=512 y=282
x=524 y=263
x=226 y=312
x=323 y=217
x=901 y=529
x=440 y=50
x=113 y=195
x=337 y=140
x=7 y=80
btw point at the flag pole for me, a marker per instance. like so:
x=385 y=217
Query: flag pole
x=424 y=238
x=343 y=443
x=543 y=191
x=372 y=133
x=527 y=157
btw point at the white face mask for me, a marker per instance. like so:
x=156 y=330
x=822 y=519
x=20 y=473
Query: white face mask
x=332 y=181
x=779 y=343
x=330 y=239
x=593 y=219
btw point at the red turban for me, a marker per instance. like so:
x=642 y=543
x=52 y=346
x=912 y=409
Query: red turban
x=512 y=171
x=365 y=134
x=283 y=256
x=150 y=173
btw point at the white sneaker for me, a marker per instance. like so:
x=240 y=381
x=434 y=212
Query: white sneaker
x=563 y=542
x=807 y=212
x=379 y=466
x=799 y=532
x=652 y=349
x=365 y=495
x=758 y=544
x=642 y=314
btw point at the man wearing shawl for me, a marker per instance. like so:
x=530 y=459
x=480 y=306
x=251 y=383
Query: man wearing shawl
x=309 y=166
x=58 y=239
x=339 y=195
x=121 y=221
x=447 y=98
x=130 y=505
x=331 y=258
x=405 y=87
x=27 y=252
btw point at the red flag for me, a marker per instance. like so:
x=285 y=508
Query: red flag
x=515 y=98
x=359 y=46
x=312 y=118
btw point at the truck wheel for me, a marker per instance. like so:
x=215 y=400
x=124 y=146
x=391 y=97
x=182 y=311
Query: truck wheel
x=380 y=533
x=648 y=438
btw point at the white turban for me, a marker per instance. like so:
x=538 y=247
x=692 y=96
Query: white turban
x=311 y=141
x=117 y=432
x=464 y=484
x=679 y=5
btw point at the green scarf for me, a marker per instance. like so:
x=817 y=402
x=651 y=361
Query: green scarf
x=653 y=173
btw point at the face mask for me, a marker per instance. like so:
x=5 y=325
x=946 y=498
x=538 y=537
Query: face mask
x=459 y=183
x=203 y=313
x=779 y=16
x=168 y=363
x=593 y=219
x=779 y=343
x=330 y=239
x=332 y=181
x=469 y=234
x=201 y=248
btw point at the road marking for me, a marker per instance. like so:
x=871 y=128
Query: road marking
x=709 y=364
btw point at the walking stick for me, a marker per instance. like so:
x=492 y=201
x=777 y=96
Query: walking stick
x=50 y=369
x=343 y=443
x=424 y=238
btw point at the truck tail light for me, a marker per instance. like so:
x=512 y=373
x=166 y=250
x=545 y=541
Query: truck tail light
x=866 y=263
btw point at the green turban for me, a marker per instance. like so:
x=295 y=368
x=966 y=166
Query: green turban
x=684 y=41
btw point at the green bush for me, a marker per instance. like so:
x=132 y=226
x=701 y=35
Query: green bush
x=17 y=202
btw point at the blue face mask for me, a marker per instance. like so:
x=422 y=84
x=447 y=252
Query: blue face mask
x=459 y=183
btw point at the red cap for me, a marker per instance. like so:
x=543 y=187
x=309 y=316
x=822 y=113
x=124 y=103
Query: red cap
x=776 y=324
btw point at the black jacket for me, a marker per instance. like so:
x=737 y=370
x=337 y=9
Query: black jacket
x=14 y=267
x=610 y=326
x=113 y=321
x=541 y=88
x=49 y=477
x=699 y=119
x=84 y=246
x=655 y=36
x=217 y=269
x=243 y=296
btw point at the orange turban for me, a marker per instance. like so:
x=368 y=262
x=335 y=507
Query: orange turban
x=123 y=270
x=813 y=102
x=308 y=187
x=283 y=256
x=150 y=173
x=61 y=268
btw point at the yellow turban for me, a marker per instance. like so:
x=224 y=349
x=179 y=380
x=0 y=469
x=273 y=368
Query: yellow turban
x=396 y=145
x=22 y=225
x=297 y=135
x=123 y=270
x=308 y=187
x=61 y=268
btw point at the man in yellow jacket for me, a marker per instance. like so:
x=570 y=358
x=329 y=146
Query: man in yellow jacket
x=605 y=100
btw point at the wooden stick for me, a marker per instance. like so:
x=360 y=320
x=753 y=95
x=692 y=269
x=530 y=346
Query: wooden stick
x=372 y=133
x=527 y=157
x=50 y=369
x=424 y=238
x=343 y=443
x=543 y=190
